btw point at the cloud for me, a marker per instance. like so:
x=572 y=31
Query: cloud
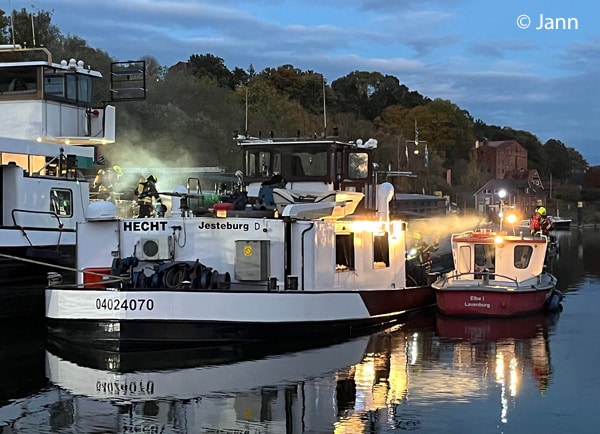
x=496 y=48
x=466 y=51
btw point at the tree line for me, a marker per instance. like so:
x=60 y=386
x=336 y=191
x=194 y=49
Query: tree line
x=193 y=109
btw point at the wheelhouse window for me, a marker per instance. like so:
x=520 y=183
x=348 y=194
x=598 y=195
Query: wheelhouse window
x=53 y=85
x=70 y=87
x=381 y=251
x=485 y=257
x=309 y=163
x=358 y=165
x=464 y=259
x=61 y=201
x=344 y=252
x=522 y=256
x=263 y=163
x=17 y=81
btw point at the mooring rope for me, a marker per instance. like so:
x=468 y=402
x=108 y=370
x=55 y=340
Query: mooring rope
x=111 y=279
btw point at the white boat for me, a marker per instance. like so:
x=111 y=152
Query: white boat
x=497 y=275
x=48 y=132
x=560 y=223
x=313 y=251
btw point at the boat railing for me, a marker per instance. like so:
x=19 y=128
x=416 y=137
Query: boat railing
x=52 y=214
x=483 y=232
x=539 y=234
x=482 y=278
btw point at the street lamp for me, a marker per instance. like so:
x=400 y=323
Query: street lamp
x=501 y=195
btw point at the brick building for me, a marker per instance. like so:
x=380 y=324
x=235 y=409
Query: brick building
x=496 y=158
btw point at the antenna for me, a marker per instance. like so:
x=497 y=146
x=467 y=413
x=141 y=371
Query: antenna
x=246 y=130
x=324 y=109
x=12 y=25
x=32 y=31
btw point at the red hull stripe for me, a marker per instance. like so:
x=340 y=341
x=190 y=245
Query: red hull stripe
x=383 y=302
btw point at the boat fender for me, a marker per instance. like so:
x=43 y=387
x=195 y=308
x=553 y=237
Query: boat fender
x=553 y=304
x=205 y=278
x=225 y=281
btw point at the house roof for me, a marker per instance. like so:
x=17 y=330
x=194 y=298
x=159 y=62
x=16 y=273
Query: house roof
x=495 y=184
x=500 y=143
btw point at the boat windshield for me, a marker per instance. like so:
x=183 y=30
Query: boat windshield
x=73 y=88
x=485 y=257
x=17 y=81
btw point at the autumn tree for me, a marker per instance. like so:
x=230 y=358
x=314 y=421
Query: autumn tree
x=211 y=67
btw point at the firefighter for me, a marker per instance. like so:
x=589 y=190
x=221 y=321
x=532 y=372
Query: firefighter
x=423 y=250
x=541 y=222
x=147 y=194
x=105 y=182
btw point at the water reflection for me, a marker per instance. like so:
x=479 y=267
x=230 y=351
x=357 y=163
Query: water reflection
x=503 y=350
x=379 y=383
x=334 y=388
x=433 y=374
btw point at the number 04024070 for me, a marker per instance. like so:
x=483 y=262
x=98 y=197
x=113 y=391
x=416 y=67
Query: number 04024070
x=125 y=304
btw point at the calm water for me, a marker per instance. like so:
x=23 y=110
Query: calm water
x=429 y=375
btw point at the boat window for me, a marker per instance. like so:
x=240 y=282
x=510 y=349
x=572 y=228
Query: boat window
x=522 y=256
x=262 y=163
x=464 y=259
x=276 y=163
x=311 y=163
x=84 y=88
x=73 y=87
x=381 y=251
x=17 y=81
x=53 y=85
x=61 y=201
x=344 y=252
x=250 y=164
x=485 y=257
x=358 y=165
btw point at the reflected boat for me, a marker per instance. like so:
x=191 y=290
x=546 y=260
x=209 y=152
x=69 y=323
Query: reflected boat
x=205 y=379
x=488 y=329
x=505 y=349
x=322 y=389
